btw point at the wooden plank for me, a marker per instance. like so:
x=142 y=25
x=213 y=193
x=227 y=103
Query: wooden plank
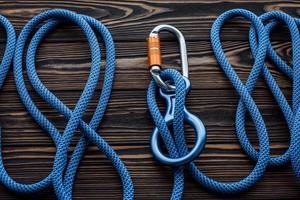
x=29 y=152
x=133 y=20
x=128 y=114
x=64 y=61
x=57 y=65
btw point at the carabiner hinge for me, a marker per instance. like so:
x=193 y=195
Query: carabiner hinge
x=154 y=55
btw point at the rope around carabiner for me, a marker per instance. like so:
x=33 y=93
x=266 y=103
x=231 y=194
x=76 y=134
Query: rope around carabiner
x=64 y=170
x=261 y=49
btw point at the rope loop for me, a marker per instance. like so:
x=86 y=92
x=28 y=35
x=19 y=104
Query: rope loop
x=261 y=49
x=64 y=170
x=9 y=49
x=271 y=20
x=177 y=146
x=6 y=61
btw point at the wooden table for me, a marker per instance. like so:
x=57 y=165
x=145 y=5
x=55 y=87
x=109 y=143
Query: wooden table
x=63 y=63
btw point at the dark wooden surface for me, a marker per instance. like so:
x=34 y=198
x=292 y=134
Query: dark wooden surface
x=63 y=64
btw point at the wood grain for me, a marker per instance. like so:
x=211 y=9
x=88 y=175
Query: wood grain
x=63 y=64
x=56 y=63
x=132 y=20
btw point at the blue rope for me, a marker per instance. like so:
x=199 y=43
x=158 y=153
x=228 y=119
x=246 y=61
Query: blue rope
x=261 y=49
x=9 y=49
x=63 y=174
x=6 y=62
x=291 y=114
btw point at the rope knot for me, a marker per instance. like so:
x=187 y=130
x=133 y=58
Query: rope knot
x=175 y=114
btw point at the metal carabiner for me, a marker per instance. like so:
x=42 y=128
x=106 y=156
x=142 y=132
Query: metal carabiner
x=154 y=55
x=167 y=92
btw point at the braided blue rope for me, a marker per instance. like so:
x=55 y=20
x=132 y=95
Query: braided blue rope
x=9 y=49
x=64 y=171
x=261 y=49
x=291 y=114
x=6 y=61
x=272 y=19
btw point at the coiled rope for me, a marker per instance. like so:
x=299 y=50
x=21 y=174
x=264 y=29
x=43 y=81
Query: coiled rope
x=6 y=62
x=261 y=49
x=64 y=170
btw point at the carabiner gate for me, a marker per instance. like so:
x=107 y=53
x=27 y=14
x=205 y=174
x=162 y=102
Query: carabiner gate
x=154 y=55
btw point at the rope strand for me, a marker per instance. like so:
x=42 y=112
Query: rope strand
x=261 y=49
x=63 y=174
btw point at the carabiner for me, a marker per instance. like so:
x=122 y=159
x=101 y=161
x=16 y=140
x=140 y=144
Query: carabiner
x=167 y=92
x=154 y=55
